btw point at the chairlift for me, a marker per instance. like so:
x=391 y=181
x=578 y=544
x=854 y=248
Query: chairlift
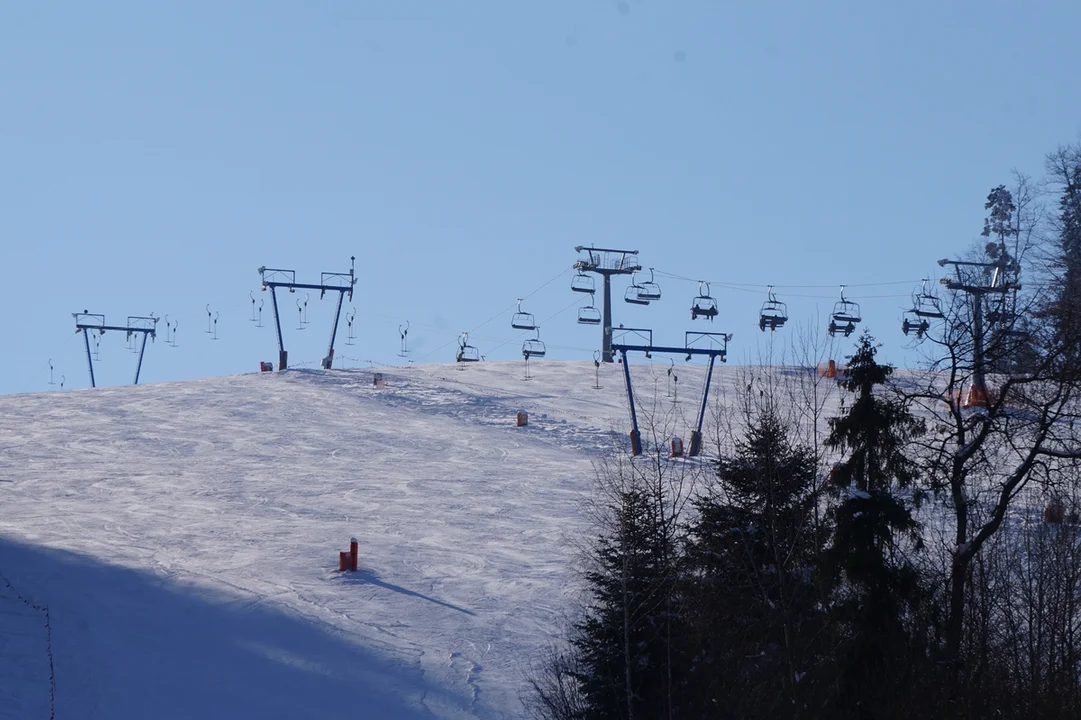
x=774 y=313
x=522 y=320
x=403 y=333
x=631 y=296
x=703 y=305
x=925 y=305
x=846 y=329
x=589 y=315
x=466 y=352
x=846 y=311
x=533 y=347
x=583 y=283
x=912 y=322
x=649 y=291
x=845 y=315
x=634 y=293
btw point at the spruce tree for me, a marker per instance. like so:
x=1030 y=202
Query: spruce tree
x=620 y=644
x=877 y=587
x=754 y=601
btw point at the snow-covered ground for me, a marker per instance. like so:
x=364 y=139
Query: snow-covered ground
x=184 y=538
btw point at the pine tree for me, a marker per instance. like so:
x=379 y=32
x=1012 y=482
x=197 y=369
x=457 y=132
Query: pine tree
x=877 y=587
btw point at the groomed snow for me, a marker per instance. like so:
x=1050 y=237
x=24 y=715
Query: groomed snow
x=185 y=538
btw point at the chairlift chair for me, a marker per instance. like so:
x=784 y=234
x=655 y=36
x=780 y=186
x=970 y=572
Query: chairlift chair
x=466 y=352
x=634 y=293
x=703 y=305
x=589 y=315
x=846 y=311
x=846 y=329
x=522 y=320
x=649 y=291
x=533 y=347
x=774 y=313
x=913 y=322
x=926 y=305
x=583 y=283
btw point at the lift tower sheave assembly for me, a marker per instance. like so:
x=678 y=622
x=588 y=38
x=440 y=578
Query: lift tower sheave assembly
x=341 y=283
x=714 y=345
x=87 y=322
x=607 y=262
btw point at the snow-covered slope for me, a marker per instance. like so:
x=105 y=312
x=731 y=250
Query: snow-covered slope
x=184 y=538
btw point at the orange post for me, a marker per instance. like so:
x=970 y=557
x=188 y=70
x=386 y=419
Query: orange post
x=353 y=554
x=523 y=418
x=976 y=396
x=343 y=561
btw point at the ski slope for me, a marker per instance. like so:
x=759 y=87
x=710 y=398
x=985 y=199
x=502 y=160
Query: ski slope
x=184 y=538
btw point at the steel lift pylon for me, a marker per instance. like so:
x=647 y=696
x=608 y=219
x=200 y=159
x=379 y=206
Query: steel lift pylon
x=713 y=345
x=85 y=322
x=341 y=283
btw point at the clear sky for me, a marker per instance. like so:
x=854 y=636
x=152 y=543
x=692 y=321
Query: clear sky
x=153 y=155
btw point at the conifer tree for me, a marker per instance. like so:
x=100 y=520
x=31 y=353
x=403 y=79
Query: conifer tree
x=877 y=586
x=620 y=644
x=754 y=605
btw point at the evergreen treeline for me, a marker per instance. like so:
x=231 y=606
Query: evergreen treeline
x=911 y=577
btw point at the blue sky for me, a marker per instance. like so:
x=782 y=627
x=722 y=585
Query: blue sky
x=154 y=155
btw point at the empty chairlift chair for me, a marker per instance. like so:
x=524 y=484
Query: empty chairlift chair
x=703 y=305
x=926 y=305
x=649 y=291
x=533 y=347
x=774 y=313
x=634 y=293
x=589 y=315
x=522 y=320
x=845 y=316
x=466 y=352
x=582 y=283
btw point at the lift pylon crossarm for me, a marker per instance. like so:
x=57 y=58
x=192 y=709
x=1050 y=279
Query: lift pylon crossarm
x=717 y=348
x=642 y=337
x=338 y=282
x=277 y=276
x=136 y=324
x=606 y=260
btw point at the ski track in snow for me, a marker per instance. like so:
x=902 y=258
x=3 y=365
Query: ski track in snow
x=185 y=536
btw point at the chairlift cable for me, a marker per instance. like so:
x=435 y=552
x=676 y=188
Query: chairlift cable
x=499 y=314
x=541 y=323
x=758 y=286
